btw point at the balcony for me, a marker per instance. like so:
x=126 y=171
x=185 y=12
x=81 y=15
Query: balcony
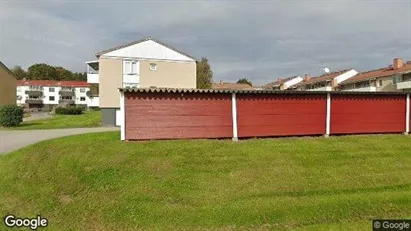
x=321 y=89
x=92 y=72
x=34 y=101
x=34 y=92
x=404 y=85
x=363 y=89
x=68 y=93
x=66 y=101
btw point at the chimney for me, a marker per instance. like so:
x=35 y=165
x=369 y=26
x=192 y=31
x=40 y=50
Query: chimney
x=221 y=82
x=307 y=77
x=397 y=63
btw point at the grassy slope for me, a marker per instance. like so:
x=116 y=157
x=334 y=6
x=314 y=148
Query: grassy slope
x=88 y=119
x=96 y=182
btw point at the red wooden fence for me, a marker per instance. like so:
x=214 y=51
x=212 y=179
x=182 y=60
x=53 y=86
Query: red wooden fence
x=180 y=114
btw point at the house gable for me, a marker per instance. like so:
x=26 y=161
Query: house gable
x=148 y=49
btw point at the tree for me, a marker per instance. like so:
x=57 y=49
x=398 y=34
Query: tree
x=63 y=74
x=42 y=71
x=244 y=80
x=19 y=72
x=204 y=74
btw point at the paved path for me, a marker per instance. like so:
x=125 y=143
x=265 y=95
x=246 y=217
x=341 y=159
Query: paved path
x=37 y=115
x=13 y=140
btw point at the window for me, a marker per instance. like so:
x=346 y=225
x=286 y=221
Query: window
x=51 y=89
x=153 y=67
x=394 y=80
x=51 y=98
x=82 y=90
x=130 y=67
x=82 y=98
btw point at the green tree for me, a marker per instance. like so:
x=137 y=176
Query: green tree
x=19 y=72
x=42 y=71
x=64 y=74
x=204 y=74
x=245 y=80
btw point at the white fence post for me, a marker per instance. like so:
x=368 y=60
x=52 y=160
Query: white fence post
x=407 y=115
x=328 y=116
x=234 y=114
x=123 y=116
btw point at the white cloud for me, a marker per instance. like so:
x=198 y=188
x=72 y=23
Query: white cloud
x=256 y=39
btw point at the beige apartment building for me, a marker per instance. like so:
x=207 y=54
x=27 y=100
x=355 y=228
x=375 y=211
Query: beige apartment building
x=146 y=63
x=8 y=85
x=395 y=77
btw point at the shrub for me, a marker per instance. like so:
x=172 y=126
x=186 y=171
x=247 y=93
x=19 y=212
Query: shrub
x=11 y=115
x=69 y=110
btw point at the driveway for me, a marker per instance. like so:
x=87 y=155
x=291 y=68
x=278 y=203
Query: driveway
x=13 y=140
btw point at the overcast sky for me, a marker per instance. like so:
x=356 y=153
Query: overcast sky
x=260 y=40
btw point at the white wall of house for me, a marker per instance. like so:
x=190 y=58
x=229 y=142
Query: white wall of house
x=148 y=50
x=346 y=75
x=321 y=89
x=292 y=82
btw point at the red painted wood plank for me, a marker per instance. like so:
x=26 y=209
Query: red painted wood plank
x=175 y=116
x=279 y=115
x=352 y=114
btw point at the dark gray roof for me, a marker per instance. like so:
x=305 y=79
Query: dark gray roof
x=140 y=41
x=222 y=91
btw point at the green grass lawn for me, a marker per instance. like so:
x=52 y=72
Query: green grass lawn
x=96 y=182
x=88 y=119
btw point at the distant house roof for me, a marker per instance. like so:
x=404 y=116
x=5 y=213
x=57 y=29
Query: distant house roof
x=231 y=86
x=378 y=73
x=278 y=82
x=53 y=83
x=322 y=78
x=6 y=68
x=140 y=41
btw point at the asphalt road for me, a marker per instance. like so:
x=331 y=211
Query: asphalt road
x=13 y=140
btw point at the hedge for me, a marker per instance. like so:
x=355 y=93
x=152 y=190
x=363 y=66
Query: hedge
x=11 y=115
x=70 y=110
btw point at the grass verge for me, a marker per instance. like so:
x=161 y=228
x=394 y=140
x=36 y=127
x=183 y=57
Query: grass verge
x=88 y=119
x=96 y=182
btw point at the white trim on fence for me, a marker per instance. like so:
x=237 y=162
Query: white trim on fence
x=328 y=116
x=234 y=114
x=407 y=115
x=123 y=115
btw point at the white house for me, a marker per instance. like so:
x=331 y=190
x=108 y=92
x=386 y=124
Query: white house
x=49 y=93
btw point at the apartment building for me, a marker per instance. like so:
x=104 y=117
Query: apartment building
x=7 y=86
x=395 y=77
x=146 y=63
x=326 y=82
x=50 y=93
x=284 y=83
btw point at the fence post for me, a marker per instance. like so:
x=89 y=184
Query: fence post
x=123 y=116
x=234 y=114
x=328 y=116
x=407 y=115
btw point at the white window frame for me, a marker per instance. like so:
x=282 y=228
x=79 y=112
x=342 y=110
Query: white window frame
x=82 y=98
x=54 y=98
x=153 y=67
x=82 y=90
x=130 y=67
x=54 y=90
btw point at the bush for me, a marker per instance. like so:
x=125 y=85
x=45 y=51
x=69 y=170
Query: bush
x=11 y=115
x=69 y=110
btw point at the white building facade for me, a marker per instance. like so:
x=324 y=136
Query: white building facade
x=50 y=93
